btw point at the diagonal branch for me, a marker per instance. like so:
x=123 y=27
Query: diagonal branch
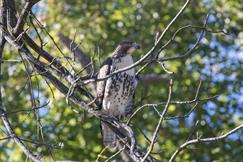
x=12 y=134
x=40 y=67
x=52 y=60
x=204 y=140
x=84 y=60
x=80 y=56
x=22 y=19
x=153 y=50
x=78 y=53
x=190 y=51
x=160 y=121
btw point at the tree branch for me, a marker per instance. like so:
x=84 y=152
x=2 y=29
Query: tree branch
x=12 y=134
x=52 y=60
x=153 y=50
x=160 y=121
x=189 y=52
x=78 y=53
x=22 y=19
x=203 y=140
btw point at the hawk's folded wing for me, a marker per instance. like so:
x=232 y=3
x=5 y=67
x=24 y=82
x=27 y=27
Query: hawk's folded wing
x=104 y=71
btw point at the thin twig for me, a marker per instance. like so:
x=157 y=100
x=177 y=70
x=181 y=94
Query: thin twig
x=10 y=61
x=160 y=121
x=171 y=102
x=115 y=154
x=190 y=51
x=27 y=110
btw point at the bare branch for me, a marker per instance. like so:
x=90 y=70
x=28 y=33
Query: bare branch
x=190 y=51
x=14 y=137
x=204 y=140
x=45 y=55
x=160 y=121
x=115 y=154
x=195 y=100
x=172 y=39
x=78 y=53
x=52 y=39
x=80 y=56
x=193 y=108
x=26 y=110
x=22 y=19
x=10 y=61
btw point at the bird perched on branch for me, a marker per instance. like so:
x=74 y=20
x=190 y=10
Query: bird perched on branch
x=115 y=95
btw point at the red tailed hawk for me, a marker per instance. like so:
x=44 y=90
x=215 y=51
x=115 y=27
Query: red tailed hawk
x=115 y=95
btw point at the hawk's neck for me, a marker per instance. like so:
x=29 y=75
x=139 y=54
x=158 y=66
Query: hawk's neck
x=123 y=62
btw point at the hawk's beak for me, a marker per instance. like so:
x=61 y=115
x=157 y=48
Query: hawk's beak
x=135 y=45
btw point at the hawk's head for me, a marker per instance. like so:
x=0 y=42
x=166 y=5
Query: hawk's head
x=125 y=48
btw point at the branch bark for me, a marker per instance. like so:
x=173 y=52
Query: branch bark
x=4 y=23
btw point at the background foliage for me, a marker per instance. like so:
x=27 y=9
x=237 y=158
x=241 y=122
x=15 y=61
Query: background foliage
x=217 y=62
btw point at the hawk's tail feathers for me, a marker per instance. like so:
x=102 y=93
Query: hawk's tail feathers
x=109 y=137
